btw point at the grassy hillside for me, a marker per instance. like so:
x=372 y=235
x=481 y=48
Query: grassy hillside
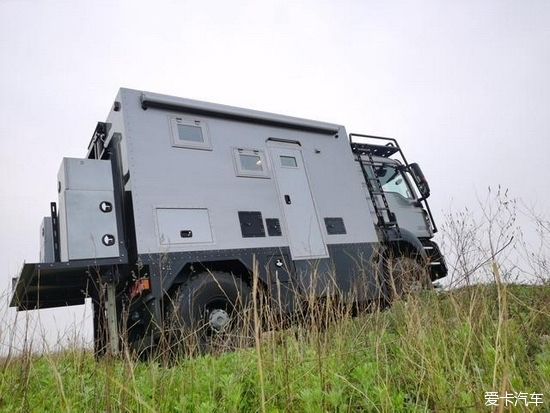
x=441 y=351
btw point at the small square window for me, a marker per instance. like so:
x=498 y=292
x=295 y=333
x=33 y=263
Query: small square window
x=289 y=161
x=190 y=133
x=250 y=163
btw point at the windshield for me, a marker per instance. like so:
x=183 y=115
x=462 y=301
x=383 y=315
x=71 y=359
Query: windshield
x=393 y=180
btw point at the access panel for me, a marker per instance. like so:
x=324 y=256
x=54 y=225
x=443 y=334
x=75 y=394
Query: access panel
x=183 y=226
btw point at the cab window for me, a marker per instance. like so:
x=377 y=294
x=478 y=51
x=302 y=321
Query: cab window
x=393 y=180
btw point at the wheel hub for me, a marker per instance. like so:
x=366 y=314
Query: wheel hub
x=217 y=319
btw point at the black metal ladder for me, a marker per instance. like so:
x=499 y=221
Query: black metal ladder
x=386 y=218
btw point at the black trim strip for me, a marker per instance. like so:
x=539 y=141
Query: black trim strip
x=149 y=100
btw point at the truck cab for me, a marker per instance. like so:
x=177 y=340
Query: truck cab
x=398 y=193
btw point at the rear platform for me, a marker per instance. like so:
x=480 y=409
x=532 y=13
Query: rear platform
x=58 y=284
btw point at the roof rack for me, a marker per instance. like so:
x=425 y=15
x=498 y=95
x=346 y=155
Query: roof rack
x=386 y=148
x=374 y=150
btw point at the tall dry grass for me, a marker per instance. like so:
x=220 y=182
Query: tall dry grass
x=439 y=350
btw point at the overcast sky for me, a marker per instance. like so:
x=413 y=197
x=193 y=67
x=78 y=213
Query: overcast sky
x=463 y=85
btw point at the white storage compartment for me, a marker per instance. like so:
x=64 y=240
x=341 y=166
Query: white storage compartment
x=85 y=174
x=87 y=218
x=47 y=253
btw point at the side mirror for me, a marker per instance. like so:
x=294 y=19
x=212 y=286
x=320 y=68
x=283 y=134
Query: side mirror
x=420 y=180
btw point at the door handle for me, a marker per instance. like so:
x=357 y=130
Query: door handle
x=287 y=200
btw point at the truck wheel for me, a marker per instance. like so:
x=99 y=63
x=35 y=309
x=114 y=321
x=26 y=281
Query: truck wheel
x=406 y=276
x=212 y=313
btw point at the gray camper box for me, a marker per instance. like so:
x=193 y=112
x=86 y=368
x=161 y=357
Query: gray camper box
x=181 y=199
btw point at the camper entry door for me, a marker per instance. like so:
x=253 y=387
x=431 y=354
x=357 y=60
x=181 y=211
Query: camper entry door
x=300 y=215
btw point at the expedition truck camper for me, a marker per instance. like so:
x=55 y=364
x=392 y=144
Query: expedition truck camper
x=180 y=206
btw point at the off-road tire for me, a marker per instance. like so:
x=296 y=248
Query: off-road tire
x=406 y=277
x=202 y=300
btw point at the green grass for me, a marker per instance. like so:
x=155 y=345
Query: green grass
x=437 y=352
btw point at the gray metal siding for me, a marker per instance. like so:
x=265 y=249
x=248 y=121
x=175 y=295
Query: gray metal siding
x=164 y=176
